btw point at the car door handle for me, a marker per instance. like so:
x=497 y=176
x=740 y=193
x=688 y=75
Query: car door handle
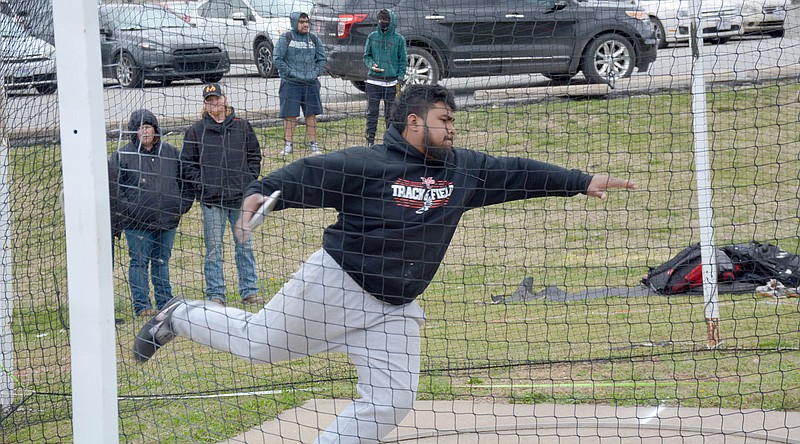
x=514 y=16
x=434 y=17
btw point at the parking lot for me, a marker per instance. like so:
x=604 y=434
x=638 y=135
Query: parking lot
x=256 y=98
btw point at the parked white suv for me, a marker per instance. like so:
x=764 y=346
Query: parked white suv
x=672 y=20
x=248 y=28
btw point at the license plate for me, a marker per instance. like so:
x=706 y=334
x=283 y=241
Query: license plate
x=724 y=25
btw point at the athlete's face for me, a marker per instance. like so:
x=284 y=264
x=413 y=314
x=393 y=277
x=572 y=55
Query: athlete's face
x=439 y=131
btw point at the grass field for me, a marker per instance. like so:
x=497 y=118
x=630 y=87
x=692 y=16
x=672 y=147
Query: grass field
x=619 y=351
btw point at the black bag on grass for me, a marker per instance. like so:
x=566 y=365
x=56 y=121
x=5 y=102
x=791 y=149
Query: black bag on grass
x=684 y=272
x=758 y=263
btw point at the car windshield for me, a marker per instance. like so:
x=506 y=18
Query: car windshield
x=9 y=28
x=143 y=17
x=280 y=8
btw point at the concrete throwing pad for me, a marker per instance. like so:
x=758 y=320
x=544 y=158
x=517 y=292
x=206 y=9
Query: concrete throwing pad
x=467 y=422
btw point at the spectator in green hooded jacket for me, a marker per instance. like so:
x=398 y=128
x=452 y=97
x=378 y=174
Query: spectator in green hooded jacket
x=386 y=58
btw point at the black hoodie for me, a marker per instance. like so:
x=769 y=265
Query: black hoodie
x=398 y=210
x=221 y=159
x=146 y=190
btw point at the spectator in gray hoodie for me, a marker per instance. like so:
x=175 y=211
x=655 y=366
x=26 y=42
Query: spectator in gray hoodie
x=300 y=60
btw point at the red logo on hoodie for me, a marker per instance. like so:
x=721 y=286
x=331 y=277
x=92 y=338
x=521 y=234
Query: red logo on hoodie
x=423 y=195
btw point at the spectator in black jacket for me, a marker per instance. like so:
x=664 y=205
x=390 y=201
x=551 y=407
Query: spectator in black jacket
x=221 y=156
x=147 y=201
x=399 y=204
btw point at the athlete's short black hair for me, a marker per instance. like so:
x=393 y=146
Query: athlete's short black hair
x=418 y=99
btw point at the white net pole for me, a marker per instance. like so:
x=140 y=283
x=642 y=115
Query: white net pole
x=7 y=385
x=703 y=178
x=88 y=226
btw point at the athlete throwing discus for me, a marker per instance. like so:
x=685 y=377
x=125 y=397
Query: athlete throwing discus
x=399 y=204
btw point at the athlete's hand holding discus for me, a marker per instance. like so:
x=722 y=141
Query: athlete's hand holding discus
x=254 y=209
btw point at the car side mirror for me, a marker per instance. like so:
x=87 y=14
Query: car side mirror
x=240 y=17
x=106 y=32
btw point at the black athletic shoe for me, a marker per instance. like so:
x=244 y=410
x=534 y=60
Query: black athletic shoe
x=155 y=333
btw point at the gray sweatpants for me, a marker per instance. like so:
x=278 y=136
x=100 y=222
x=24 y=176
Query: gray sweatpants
x=322 y=309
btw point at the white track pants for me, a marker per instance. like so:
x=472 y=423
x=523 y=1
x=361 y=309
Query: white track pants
x=322 y=309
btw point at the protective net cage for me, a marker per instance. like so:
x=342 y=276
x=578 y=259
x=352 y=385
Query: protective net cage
x=544 y=322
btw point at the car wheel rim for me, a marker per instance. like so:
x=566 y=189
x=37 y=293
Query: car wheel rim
x=124 y=71
x=265 y=59
x=612 y=56
x=657 y=29
x=419 y=70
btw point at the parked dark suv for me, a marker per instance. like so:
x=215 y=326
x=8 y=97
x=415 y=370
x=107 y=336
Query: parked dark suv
x=465 y=38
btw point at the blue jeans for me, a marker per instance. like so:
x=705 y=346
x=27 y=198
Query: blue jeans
x=149 y=248
x=214 y=221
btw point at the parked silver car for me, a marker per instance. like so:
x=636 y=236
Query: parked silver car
x=27 y=62
x=248 y=28
x=35 y=16
x=673 y=19
x=764 y=17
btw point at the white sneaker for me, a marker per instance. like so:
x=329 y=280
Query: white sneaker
x=287 y=149
x=314 y=148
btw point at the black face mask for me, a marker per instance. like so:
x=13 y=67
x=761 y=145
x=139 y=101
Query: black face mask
x=384 y=25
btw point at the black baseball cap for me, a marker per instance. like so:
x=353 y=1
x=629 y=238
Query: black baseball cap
x=212 y=89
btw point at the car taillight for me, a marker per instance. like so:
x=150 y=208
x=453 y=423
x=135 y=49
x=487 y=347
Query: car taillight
x=346 y=21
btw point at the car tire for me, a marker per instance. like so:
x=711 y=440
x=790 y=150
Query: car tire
x=211 y=78
x=658 y=27
x=360 y=85
x=558 y=77
x=717 y=40
x=777 y=33
x=49 y=88
x=128 y=73
x=606 y=54
x=422 y=67
x=264 y=59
